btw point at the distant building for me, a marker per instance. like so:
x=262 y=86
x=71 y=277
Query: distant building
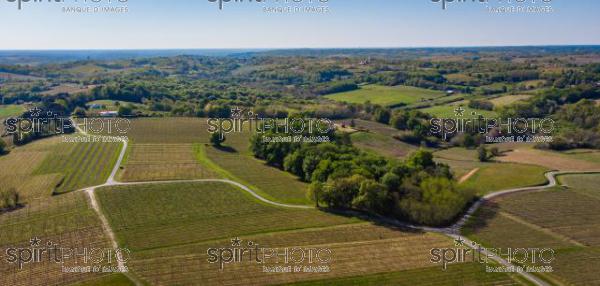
x=449 y=92
x=109 y=113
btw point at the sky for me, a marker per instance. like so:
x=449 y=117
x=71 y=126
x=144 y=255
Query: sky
x=200 y=24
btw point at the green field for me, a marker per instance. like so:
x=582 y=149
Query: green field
x=509 y=99
x=144 y=217
x=385 y=95
x=490 y=176
x=80 y=164
x=11 y=110
x=564 y=220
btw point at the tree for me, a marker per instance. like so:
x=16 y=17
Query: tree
x=125 y=110
x=314 y=192
x=438 y=203
x=372 y=196
x=3 y=148
x=217 y=138
x=482 y=153
x=391 y=181
x=9 y=199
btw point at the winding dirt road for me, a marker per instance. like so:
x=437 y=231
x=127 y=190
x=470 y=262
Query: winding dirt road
x=452 y=231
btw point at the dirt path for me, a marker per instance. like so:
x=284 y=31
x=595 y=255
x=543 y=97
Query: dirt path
x=468 y=175
x=452 y=231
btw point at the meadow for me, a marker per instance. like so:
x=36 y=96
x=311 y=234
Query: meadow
x=386 y=96
x=565 y=220
x=509 y=99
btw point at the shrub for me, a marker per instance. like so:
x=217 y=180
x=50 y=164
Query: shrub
x=9 y=199
x=217 y=138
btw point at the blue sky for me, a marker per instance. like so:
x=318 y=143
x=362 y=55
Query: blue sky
x=153 y=24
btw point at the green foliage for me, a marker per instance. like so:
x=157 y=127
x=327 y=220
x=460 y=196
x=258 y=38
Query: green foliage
x=79 y=112
x=438 y=202
x=482 y=154
x=125 y=110
x=3 y=147
x=9 y=199
x=217 y=138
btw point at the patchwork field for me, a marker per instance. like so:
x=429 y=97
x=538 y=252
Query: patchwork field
x=80 y=164
x=144 y=217
x=385 y=95
x=19 y=170
x=565 y=220
x=272 y=183
x=155 y=162
x=170 y=229
x=490 y=176
x=66 y=221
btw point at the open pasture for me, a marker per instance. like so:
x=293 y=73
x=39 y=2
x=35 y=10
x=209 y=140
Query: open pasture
x=386 y=95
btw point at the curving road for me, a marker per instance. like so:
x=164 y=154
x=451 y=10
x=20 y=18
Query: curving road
x=452 y=231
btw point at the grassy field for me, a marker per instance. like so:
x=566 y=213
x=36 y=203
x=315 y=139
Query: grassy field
x=382 y=145
x=80 y=164
x=18 y=167
x=509 y=99
x=564 y=220
x=145 y=217
x=170 y=228
x=490 y=176
x=385 y=95
x=11 y=110
x=65 y=220
x=155 y=162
